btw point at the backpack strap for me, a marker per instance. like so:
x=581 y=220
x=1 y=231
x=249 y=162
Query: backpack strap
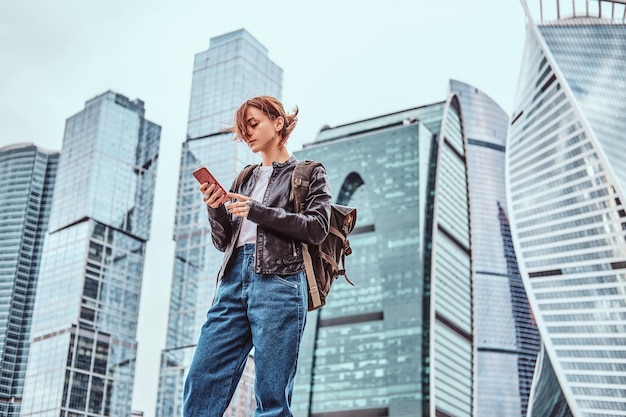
x=314 y=291
x=347 y=250
x=300 y=181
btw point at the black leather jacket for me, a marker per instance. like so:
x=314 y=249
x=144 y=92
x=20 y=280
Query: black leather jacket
x=279 y=229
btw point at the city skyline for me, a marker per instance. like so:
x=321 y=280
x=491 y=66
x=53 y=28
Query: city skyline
x=347 y=78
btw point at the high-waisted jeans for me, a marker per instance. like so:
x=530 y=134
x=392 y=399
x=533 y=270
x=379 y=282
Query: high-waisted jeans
x=267 y=312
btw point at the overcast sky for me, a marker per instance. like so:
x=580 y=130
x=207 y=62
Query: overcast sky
x=342 y=60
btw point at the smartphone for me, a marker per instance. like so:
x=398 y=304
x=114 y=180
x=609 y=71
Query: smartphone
x=203 y=175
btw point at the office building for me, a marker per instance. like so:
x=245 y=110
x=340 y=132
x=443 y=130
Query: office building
x=566 y=177
x=400 y=342
x=27 y=177
x=507 y=339
x=235 y=68
x=83 y=346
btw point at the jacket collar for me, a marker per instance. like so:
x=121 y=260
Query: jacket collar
x=291 y=160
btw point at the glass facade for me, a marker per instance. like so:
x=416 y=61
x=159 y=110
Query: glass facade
x=234 y=68
x=27 y=179
x=507 y=339
x=399 y=343
x=83 y=346
x=566 y=177
x=548 y=398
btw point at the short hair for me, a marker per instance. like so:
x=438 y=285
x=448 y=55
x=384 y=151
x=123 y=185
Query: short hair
x=272 y=108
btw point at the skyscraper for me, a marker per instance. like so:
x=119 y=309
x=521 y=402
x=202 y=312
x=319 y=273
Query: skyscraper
x=83 y=347
x=27 y=177
x=566 y=176
x=507 y=340
x=399 y=343
x=234 y=68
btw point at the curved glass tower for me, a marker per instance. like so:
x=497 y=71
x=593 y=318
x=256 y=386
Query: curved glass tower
x=507 y=340
x=400 y=342
x=27 y=178
x=566 y=176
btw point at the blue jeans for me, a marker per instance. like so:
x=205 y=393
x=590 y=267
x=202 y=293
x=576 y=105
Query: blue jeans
x=264 y=311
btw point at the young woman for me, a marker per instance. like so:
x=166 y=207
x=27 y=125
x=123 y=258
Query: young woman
x=261 y=301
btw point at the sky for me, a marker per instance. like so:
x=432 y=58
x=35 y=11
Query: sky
x=342 y=61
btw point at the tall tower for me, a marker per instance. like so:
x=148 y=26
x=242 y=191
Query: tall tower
x=566 y=176
x=235 y=68
x=27 y=177
x=399 y=343
x=83 y=346
x=507 y=339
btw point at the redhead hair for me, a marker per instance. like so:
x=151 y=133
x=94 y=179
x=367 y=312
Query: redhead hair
x=272 y=108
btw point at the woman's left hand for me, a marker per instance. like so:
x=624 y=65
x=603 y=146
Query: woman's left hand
x=241 y=207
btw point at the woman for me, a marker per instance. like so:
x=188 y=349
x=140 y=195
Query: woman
x=261 y=301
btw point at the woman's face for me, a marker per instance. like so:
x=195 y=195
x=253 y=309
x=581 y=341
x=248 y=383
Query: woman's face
x=262 y=132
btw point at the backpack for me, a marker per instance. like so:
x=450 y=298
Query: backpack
x=322 y=262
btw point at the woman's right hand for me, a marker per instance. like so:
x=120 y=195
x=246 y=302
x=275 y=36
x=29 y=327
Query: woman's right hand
x=212 y=195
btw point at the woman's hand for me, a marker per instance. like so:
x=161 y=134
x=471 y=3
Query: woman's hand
x=241 y=207
x=212 y=195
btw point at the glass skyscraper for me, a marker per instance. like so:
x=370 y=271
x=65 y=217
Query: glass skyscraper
x=507 y=339
x=399 y=343
x=235 y=68
x=83 y=346
x=27 y=178
x=566 y=177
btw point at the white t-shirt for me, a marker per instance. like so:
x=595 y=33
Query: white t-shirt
x=248 y=228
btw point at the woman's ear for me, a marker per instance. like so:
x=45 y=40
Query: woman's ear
x=279 y=123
